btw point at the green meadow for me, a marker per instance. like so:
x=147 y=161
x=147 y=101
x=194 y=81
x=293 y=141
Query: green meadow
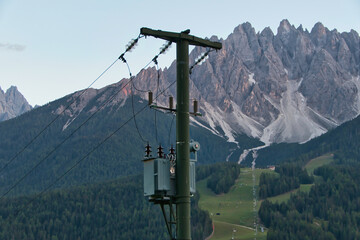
x=232 y=213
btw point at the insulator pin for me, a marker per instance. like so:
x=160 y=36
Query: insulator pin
x=160 y=151
x=171 y=102
x=150 y=96
x=148 y=151
x=195 y=106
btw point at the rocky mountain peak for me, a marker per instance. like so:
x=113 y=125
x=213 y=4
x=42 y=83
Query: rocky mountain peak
x=12 y=103
x=319 y=34
x=288 y=87
x=285 y=27
x=284 y=87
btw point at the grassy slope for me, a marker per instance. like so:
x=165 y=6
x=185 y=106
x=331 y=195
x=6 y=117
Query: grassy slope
x=235 y=208
x=310 y=167
x=318 y=162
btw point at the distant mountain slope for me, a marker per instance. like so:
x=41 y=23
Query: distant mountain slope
x=344 y=141
x=120 y=155
x=12 y=104
x=288 y=87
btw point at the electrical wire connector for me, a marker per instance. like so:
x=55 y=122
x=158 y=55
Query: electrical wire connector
x=155 y=60
x=122 y=58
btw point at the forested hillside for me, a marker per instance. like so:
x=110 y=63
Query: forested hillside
x=110 y=210
x=331 y=210
x=289 y=176
x=58 y=148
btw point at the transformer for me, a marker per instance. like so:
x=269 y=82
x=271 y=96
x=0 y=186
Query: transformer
x=159 y=173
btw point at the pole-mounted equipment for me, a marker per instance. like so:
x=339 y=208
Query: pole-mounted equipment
x=182 y=167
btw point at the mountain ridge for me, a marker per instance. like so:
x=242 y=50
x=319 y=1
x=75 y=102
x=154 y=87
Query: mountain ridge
x=12 y=104
x=267 y=85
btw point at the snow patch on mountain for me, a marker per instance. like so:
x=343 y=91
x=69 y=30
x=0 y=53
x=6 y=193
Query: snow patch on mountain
x=251 y=78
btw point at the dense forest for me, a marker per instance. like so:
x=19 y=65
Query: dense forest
x=289 y=176
x=110 y=210
x=221 y=176
x=331 y=210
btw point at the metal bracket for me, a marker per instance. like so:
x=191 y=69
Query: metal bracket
x=163 y=201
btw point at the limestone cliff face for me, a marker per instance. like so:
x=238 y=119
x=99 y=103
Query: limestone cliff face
x=285 y=87
x=290 y=87
x=12 y=104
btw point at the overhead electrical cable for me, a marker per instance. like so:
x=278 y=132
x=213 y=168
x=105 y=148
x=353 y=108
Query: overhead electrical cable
x=48 y=125
x=163 y=49
x=88 y=154
x=128 y=48
x=132 y=99
x=157 y=91
x=70 y=135
x=171 y=124
x=64 y=140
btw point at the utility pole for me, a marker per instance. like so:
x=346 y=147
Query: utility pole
x=182 y=197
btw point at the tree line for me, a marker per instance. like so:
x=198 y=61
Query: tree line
x=110 y=210
x=288 y=176
x=220 y=176
x=331 y=210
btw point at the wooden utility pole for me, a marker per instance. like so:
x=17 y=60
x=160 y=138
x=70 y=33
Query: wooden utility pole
x=182 y=198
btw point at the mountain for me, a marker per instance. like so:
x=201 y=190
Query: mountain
x=12 y=104
x=93 y=136
x=288 y=87
x=343 y=141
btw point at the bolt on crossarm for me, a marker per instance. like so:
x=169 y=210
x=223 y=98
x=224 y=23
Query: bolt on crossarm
x=182 y=197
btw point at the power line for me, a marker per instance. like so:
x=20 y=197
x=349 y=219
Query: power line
x=132 y=99
x=62 y=142
x=133 y=111
x=157 y=91
x=131 y=44
x=171 y=124
x=128 y=48
x=163 y=49
x=48 y=125
x=88 y=154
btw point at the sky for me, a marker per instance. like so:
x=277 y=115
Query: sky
x=51 y=48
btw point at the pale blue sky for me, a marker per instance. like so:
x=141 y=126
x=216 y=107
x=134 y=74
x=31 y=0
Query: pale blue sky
x=50 y=48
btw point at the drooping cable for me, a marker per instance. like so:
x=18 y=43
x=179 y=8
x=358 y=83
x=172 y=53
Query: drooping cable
x=157 y=91
x=88 y=154
x=171 y=124
x=64 y=140
x=69 y=136
x=132 y=101
x=133 y=111
x=128 y=48
x=50 y=123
